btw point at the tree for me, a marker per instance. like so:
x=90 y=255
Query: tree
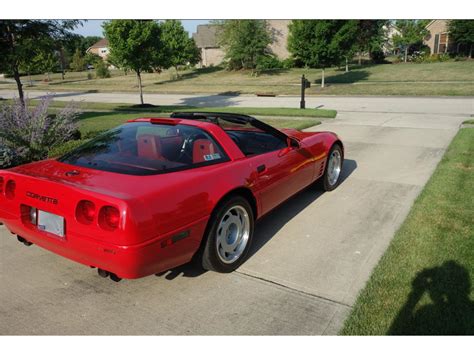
x=462 y=32
x=411 y=33
x=47 y=62
x=180 y=49
x=244 y=42
x=78 y=63
x=370 y=36
x=20 y=38
x=321 y=43
x=135 y=45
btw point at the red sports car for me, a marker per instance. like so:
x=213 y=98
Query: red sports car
x=156 y=193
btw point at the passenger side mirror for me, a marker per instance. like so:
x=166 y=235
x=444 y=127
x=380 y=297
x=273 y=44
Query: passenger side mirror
x=293 y=143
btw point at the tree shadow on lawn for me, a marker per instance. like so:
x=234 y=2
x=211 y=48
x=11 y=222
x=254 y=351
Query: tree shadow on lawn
x=268 y=226
x=451 y=311
x=223 y=99
x=190 y=75
x=346 y=78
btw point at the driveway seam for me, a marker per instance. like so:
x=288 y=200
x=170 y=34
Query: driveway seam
x=261 y=279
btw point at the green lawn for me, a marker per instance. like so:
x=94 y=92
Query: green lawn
x=166 y=110
x=423 y=283
x=446 y=78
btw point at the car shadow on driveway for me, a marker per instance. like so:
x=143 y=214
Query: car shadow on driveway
x=269 y=225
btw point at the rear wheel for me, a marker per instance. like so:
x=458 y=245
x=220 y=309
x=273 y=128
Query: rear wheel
x=332 y=172
x=230 y=235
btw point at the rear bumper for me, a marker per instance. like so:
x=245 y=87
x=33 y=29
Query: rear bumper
x=129 y=262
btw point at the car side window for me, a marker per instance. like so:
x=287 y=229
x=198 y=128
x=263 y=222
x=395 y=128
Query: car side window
x=253 y=142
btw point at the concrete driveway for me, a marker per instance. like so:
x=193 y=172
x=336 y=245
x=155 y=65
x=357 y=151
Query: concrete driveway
x=312 y=255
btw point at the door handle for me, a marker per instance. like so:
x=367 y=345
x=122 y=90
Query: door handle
x=261 y=168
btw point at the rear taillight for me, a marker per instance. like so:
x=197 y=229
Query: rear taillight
x=85 y=212
x=10 y=189
x=109 y=217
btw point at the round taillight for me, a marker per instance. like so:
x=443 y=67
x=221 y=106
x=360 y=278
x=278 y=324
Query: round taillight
x=85 y=211
x=10 y=189
x=109 y=217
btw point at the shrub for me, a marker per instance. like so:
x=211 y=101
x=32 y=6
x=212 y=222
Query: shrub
x=266 y=62
x=377 y=56
x=8 y=157
x=32 y=133
x=102 y=70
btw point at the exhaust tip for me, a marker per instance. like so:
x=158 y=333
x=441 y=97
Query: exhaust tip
x=105 y=273
x=24 y=241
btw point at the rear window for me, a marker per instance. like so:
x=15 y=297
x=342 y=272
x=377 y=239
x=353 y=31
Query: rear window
x=147 y=149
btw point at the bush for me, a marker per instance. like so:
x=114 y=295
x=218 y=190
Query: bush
x=32 y=133
x=102 y=70
x=377 y=56
x=8 y=157
x=268 y=62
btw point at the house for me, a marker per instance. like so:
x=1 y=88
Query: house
x=279 y=30
x=438 y=38
x=206 y=38
x=389 y=31
x=100 y=48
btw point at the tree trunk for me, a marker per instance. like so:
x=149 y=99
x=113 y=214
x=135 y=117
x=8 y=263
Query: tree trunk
x=29 y=76
x=16 y=74
x=140 y=86
x=406 y=54
x=19 y=85
x=177 y=73
x=470 y=52
x=347 y=66
x=359 y=61
x=322 y=79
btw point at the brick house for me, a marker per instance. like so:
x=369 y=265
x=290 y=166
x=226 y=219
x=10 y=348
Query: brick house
x=438 y=38
x=100 y=48
x=206 y=38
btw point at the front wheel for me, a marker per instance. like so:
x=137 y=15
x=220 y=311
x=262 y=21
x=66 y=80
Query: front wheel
x=230 y=235
x=332 y=172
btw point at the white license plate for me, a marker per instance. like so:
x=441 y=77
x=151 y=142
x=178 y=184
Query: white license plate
x=51 y=223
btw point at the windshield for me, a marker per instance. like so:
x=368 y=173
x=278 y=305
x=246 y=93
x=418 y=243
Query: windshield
x=146 y=149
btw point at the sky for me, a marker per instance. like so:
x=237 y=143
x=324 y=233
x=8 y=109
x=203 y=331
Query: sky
x=93 y=27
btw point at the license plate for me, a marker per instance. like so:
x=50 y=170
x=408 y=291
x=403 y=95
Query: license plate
x=51 y=223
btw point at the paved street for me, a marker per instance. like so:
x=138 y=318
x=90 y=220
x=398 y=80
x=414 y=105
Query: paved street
x=312 y=255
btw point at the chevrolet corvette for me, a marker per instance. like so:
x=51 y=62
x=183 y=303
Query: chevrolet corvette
x=156 y=193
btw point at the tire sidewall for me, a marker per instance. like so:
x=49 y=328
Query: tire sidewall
x=210 y=257
x=327 y=186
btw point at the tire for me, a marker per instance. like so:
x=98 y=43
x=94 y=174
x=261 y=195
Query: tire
x=229 y=236
x=331 y=179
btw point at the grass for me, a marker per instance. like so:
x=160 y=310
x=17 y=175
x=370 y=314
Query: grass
x=444 y=78
x=469 y=121
x=422 y=284
x=166 y=110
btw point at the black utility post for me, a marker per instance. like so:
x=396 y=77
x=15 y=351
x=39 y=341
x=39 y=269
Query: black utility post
x=304 y=84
